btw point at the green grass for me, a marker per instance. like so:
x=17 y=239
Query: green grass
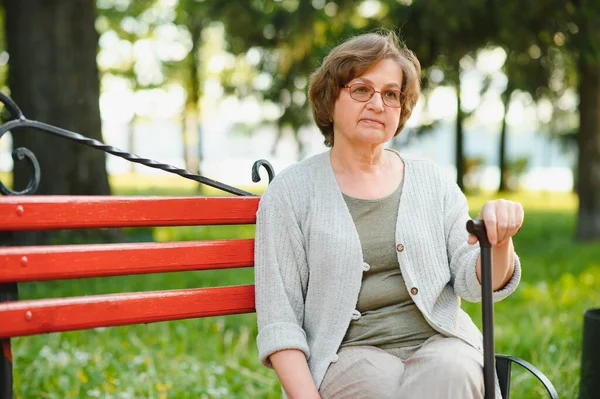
x=217 y=357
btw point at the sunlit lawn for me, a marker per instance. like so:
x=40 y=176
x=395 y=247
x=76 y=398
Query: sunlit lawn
x=217 y=357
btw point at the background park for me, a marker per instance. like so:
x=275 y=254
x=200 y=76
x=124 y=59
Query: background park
x=510 y=105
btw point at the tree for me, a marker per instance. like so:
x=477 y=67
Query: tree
x=53 y=77
x=194 y=16
x=292 y=39
x=124 y=23
x=441 y=34
x=571 y=28
x=586 y=44
x=522 y=29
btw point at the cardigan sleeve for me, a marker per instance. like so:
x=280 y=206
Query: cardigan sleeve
x=462 y=256
x=281 y=272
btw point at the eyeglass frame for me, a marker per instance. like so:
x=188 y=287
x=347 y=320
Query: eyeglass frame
x=347 y=86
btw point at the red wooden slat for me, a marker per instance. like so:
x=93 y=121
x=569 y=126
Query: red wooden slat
x=32 y=317
x=18 y=264
x=66 y=212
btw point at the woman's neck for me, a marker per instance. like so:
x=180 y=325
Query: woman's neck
x=364 y=159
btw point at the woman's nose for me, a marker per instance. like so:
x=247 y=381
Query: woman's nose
x=376 y=102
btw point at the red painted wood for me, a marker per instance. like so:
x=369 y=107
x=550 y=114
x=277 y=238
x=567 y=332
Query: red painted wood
x=33 y=317
x=39 y=263
x=66 y=212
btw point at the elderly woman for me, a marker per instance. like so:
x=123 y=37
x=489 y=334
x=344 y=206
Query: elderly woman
x=362 y=255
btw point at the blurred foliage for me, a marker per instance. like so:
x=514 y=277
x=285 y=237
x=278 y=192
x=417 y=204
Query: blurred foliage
x=278 y=43
x=516 y=168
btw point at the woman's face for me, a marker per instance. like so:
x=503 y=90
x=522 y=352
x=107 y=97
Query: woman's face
x=370 y=122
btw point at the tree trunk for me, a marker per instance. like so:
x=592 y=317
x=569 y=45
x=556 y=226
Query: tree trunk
x=588 y=169
x=503 y=138
x=131 y=140
x=459 y=151
x=193 y=157
x=588 y=166
x=53 y=77
x=185 y=137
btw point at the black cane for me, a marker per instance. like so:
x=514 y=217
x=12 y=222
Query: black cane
x=477 y=228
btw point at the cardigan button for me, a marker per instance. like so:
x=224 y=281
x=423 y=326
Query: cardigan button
x=400 y=247
x=366 y=267
x=355 y=315
x=414 y=290
x=335 y=358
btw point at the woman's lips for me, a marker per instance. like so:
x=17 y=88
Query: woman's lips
x=371 y=121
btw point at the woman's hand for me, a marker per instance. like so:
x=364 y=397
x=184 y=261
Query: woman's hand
x=502 y=219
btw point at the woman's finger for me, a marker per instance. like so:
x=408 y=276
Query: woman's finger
x=472 y=239
x=520 y=216
x=512 y=226
x=502 y=217
x=488 y=214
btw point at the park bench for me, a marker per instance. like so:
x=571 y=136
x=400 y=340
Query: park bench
x=19 y=318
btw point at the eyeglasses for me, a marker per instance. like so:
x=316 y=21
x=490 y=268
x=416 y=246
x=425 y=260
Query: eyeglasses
x=363 y=92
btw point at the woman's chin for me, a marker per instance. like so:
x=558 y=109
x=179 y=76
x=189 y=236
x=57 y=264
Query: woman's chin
x=373 y=136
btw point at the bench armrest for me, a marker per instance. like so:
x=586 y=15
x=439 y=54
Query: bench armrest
x=503 y=364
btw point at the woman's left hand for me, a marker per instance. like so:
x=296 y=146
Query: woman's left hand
x=502 y=219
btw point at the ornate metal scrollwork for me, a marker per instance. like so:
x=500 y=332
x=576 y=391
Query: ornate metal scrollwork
x=20 y=154
x=19 y=121
x=269 y=168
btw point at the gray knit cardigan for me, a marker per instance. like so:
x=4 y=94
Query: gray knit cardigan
x=309 y=263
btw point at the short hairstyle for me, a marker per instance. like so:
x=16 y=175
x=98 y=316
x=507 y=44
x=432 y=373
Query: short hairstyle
x=351 y=59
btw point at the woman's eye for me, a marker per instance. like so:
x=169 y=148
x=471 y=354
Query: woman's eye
x=392 y=94
x=361 y=89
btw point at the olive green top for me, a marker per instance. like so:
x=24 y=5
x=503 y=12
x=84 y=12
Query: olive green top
x=385 y=316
